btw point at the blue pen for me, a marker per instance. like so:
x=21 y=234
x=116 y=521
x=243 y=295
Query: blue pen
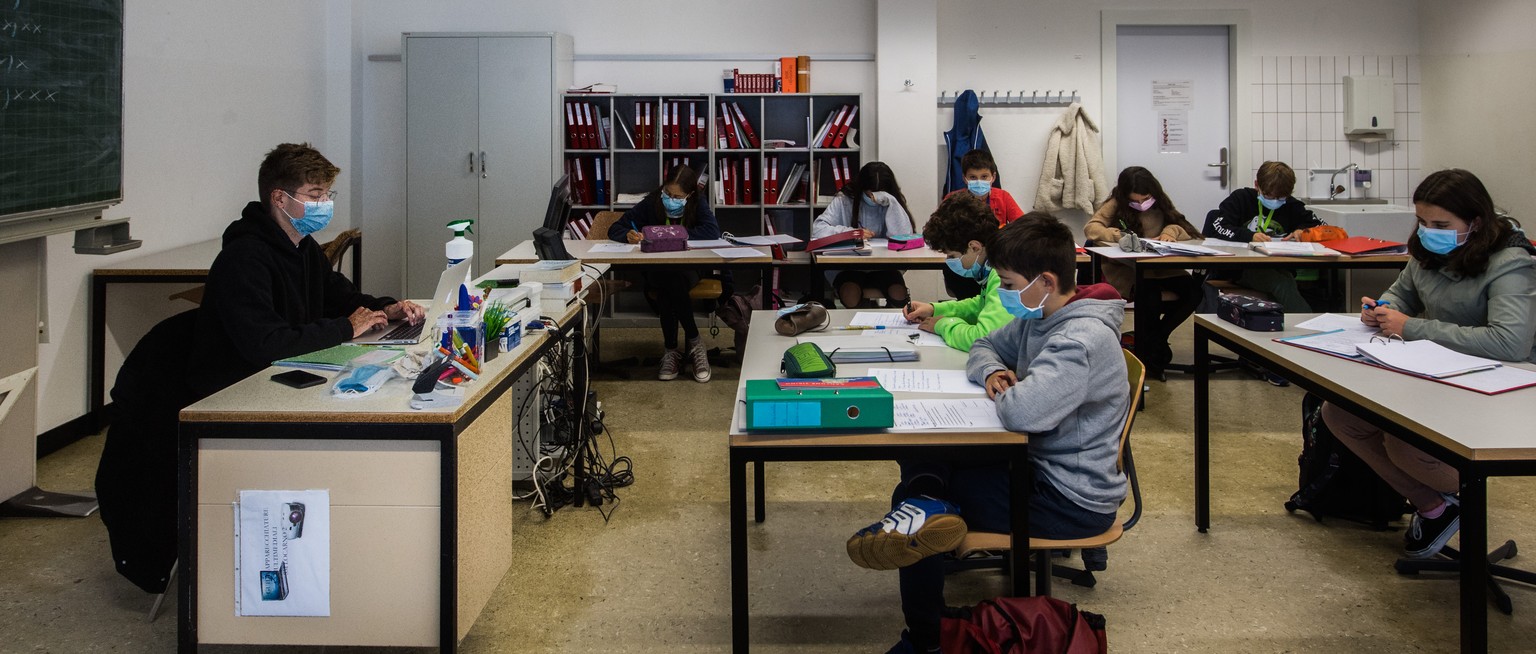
x=1379 y=303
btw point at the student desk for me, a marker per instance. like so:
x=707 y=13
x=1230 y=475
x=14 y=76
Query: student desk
x=704 y=258
x=765 y=349
x=1482 y=435
x=421 y=503
x=1242 y=258
x=187 y=264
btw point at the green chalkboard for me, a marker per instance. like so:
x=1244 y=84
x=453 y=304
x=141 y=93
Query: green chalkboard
x=61 y=104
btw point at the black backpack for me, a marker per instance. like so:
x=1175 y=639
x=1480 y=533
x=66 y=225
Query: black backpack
x=1334 y=482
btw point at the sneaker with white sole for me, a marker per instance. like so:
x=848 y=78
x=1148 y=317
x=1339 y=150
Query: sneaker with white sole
x=671 y=363
x=1427 y=536
x=917 y=528
x=698 y=358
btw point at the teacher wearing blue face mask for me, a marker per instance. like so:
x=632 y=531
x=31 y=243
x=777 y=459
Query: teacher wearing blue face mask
x=1470 y=286
x=271 y=292
x=678 y=201
x=963 y=227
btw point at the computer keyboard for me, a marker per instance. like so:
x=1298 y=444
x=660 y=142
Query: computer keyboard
x=404 y=331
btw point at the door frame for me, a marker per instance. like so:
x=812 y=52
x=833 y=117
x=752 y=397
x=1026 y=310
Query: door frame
x=1239 y=124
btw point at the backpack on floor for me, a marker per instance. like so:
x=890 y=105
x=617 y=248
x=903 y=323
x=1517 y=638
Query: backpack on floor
x=1334 y=482
x=1024 y=625
x=735 y=310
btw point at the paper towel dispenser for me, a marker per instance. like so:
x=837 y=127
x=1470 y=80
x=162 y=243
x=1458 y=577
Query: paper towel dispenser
x=1369 y=110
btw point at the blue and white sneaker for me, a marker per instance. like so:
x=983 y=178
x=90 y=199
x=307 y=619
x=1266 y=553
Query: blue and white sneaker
x=917 y=528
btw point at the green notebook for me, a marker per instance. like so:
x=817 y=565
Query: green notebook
x=339 y=356
x=769 y=407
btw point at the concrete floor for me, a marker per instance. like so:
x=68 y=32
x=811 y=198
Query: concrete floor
x=655 y=578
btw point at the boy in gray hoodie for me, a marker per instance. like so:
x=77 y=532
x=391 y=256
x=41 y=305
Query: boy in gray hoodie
x=1055 y=372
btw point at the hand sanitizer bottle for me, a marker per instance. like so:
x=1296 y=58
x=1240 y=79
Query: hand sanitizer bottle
x=460 y=248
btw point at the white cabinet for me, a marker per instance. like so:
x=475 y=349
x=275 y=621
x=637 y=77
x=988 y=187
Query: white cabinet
x=481 y=142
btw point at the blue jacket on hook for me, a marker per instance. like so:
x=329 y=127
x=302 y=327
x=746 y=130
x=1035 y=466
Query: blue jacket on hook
x=963 y=137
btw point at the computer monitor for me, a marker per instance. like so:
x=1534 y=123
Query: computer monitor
x=549 y=239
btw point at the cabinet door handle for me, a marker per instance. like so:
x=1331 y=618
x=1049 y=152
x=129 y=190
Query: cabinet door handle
x=482 y=165
x=471 y=162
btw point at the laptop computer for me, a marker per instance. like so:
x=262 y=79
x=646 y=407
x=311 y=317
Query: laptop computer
x=402 y=332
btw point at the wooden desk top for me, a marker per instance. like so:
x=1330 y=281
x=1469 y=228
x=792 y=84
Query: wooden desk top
x=765 y=350
x=1476 y=426
x=259 y=399
x=524 y=253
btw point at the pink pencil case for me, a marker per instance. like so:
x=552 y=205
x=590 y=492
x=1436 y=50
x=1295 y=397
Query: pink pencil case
x=905 y=242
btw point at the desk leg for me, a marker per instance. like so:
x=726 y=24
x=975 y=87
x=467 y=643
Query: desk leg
x=1202 y=430
x=1020 y=482
x=760 y=494
x=1474 y=562
x=1142 y=320
x=767 y=288
x=98 y=352
x=739 y=634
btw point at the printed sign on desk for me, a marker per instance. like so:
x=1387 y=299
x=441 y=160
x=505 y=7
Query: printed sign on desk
x=283 y=545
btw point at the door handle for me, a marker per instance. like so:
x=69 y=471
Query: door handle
x=1223 y=165
x=482 y=165
x=471 y=162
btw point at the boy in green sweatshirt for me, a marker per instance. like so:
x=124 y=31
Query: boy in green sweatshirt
x=963 y=227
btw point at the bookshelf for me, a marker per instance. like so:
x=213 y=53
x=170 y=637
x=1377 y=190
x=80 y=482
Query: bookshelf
x=632 y=160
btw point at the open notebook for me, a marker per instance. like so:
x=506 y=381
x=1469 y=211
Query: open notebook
x=1423 y=358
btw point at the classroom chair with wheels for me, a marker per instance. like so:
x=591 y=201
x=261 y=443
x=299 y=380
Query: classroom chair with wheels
x=336 y=250
x=984 y=549
x=1449 y=560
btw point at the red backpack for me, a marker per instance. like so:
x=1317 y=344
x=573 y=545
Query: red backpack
x=1025 y=625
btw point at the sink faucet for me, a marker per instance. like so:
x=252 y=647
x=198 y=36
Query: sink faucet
x=1334 y=191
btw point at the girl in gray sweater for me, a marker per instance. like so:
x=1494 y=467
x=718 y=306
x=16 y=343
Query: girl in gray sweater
x=1471 y=286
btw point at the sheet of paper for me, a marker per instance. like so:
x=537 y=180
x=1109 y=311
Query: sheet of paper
x=614 y=248
x=766 y=239
x=878 y=243
x=737 y=253
x=1218 y=243
x=283 y=553
x=1169 y=247
x=890 y=319
x=703 y=244
x=1330 y=321
x=972 y=413
x=1342 y=342
x=1499 y=379
x=917 y=336
x=911 y=380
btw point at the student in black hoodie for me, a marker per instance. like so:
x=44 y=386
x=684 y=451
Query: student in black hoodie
x=1264 y=213
x=271 y=294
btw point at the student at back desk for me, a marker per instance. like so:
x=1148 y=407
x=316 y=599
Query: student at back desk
x=1470 y=286
x=982 y=181
x=873 y=204
x=1262 y=213
x=963 y=229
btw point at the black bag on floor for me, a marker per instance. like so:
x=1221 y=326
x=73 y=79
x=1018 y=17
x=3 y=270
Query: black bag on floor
x=1334 y=482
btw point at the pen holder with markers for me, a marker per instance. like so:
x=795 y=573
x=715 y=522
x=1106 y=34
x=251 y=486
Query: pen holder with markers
x=462 y=330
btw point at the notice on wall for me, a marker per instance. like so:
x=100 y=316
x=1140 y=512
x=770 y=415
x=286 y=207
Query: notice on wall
x=1172 y=132
x=1173 y=94
x=283 y=553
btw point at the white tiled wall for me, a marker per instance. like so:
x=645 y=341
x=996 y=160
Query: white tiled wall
x=1299 y=114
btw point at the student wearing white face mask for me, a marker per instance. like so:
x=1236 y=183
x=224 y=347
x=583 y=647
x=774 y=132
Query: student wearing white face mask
x=1470 y=286
x=872 y=204
x=962 y=228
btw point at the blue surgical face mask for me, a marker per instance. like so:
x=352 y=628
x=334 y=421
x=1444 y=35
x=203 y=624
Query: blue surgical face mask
x=977 y=271
x=316 y=216
x=1014 y=304
x=1271 y=203
x=673 y=205
x=870 y=202
x=1441 y=241
x=979 y=187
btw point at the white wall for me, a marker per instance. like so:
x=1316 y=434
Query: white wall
x=1054 y=45
x=665 y=27
x=1477 y=61
x=208 y=88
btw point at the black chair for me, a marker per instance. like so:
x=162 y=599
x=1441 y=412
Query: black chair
x=1449 y=560
x=136 y=479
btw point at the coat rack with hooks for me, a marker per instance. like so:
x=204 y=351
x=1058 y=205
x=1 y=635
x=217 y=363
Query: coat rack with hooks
x=1036 y=98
